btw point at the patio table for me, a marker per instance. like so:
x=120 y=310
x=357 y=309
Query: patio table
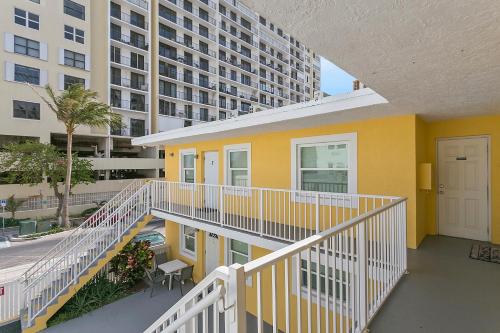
x=171 y=267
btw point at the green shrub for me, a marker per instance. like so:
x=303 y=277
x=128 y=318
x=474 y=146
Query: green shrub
x=95 y=294
x=130 y=264
x=89 y=211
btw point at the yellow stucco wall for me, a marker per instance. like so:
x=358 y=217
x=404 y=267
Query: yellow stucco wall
x=470 y=126
x=386 y=159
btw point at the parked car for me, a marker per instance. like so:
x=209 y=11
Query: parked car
x=156 y=239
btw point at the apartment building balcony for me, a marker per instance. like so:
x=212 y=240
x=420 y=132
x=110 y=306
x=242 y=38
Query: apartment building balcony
x=212 y=5
x=235 y=63
x=138 y=43
x=238 y=50
x=179 y=59
x=192 y=98
x=189 y=44
x=243 y=8
x=129 y=105
x=178 y=22
x=131 y=84
x=191 y=10
x=277 y=69
x=238 y=34
x=140 y=3
x=238 y=94
x=238 y=79
x=131 y=132
x=132 y=22
x=188 y=115
x=267 y=51
x=130 y=63
x=251 y=29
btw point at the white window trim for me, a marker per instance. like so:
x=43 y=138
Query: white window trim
x=185 y=252
x=183 y=152
x=238 y=147
x=352 y=143
x=227 y=256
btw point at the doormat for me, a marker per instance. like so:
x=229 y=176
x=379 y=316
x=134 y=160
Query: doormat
x=485 y=253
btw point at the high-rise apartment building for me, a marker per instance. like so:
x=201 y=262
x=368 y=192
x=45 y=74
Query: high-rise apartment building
x=161 y=64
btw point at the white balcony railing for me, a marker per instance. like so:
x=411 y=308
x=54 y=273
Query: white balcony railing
x=360 y=257
x=285 y=215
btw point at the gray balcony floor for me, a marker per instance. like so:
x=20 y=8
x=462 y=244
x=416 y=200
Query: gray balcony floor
x=444 y=292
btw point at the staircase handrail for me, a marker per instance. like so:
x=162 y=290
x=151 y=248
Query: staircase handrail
x=221 y=273
x=94 y=230
x=58 y=247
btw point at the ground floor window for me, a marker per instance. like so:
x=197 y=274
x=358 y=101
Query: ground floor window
x=238 y=252
x=188 y=241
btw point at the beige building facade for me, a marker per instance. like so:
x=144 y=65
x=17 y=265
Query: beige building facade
x=161 y=64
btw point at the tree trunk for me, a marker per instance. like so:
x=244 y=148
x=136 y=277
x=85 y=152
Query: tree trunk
x=67 y=181
x=60 y=199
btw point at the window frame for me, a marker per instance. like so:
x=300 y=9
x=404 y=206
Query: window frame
x=77 y=35
x=227 y=168
x=31 y=68
x=14 y=101
x=182 y=153
x=347 y=138
x=29 y=22
x=73 y=12
x=71 y=77
x=73 y=59
x=26 y=46
x=182 y=241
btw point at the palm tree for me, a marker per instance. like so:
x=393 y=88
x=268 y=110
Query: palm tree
x=77 y=106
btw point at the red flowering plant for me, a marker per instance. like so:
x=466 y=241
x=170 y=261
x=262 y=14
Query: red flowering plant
x=131 y=263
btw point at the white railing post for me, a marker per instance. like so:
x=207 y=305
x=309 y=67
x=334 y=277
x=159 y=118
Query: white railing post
x=236 y=314
x=192 y=200
x=363 y=277
x=317 y=213
x=261 y=212
x=221 y=205
x=169 y=197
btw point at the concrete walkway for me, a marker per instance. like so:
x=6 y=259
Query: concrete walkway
x=131 y=314
x=444 y=292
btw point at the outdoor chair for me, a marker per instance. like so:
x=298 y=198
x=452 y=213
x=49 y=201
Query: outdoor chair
x=160 y=258
x=152 y=278
x=186 y=274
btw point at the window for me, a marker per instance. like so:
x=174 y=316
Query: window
x=26 y=19
x=166 y=108
x=137 y=127
x=26 y=74
x=238 y=252
x=137 y=20
x=168 y=89
x=340 y=280
x=26 y=110
x=74 y=59
x=71 y=80
x=74 y=34
x=325 y=164
x=137 y=102
x=74 y=9
x=27 y=47
x=237 y=158
x=188 y=166
x=188 y=241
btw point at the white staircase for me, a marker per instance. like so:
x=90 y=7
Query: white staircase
x=51 y=281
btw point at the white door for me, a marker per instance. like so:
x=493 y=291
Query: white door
x=211 y=177
x=211 y=252
x=463 y=188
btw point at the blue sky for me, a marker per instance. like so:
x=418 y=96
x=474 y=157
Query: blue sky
x=333 y=79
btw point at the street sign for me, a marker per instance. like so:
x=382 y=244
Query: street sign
x=3 y=202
